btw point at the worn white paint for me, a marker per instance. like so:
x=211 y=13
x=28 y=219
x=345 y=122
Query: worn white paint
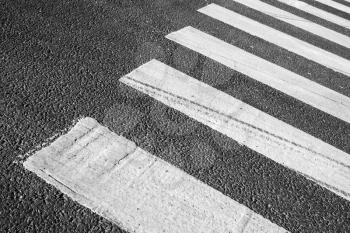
x=266 y=72
x=289 y=146
x=297 y=21
x=276 y=37
x=136 y=190
x=317 y=12
x=335 y=5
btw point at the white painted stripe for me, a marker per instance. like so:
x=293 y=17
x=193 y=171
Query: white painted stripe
x=289 y=146
x=281 y=39
x=335 y=5
x=266 y=72
x=297 y=21
x=136 y=190
x=317 y=12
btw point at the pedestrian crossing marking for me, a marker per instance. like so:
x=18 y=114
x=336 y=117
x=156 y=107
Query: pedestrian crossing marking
x=135 y=189
x=284 y=144
x=278 y=38
x=142 y=193
x=264 y=71
x=297 y=21
x=317 y=12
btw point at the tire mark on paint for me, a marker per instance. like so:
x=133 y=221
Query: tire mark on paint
x=251 y=128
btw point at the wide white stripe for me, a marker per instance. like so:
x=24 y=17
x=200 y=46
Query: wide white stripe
x=289 y=146
x=281 y=39
x=317 y=12
x=266 y=72
x=335 y=5
x=297 y=21
x=136 y=190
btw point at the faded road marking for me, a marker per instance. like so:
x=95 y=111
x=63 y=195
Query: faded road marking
x=289 y=146
x=136 y=190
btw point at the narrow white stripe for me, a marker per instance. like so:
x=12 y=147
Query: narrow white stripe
x=266 y=72
x=136 y=190
x=297 y=21
x=335 y=5
x=317 y=12
x=281 y=39
x=291 y=147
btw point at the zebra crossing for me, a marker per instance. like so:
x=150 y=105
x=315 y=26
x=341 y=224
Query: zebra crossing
x=140 y=192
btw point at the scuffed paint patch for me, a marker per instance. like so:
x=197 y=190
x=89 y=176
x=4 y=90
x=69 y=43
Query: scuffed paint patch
x=134 y=189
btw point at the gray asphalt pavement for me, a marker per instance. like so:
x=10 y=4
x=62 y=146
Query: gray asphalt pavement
x=61 y=60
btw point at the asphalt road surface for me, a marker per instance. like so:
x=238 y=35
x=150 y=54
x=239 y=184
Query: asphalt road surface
x=62 y=60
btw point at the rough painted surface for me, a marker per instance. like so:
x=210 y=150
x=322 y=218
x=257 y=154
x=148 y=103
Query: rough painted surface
x=315 y=159
x=136 y=190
